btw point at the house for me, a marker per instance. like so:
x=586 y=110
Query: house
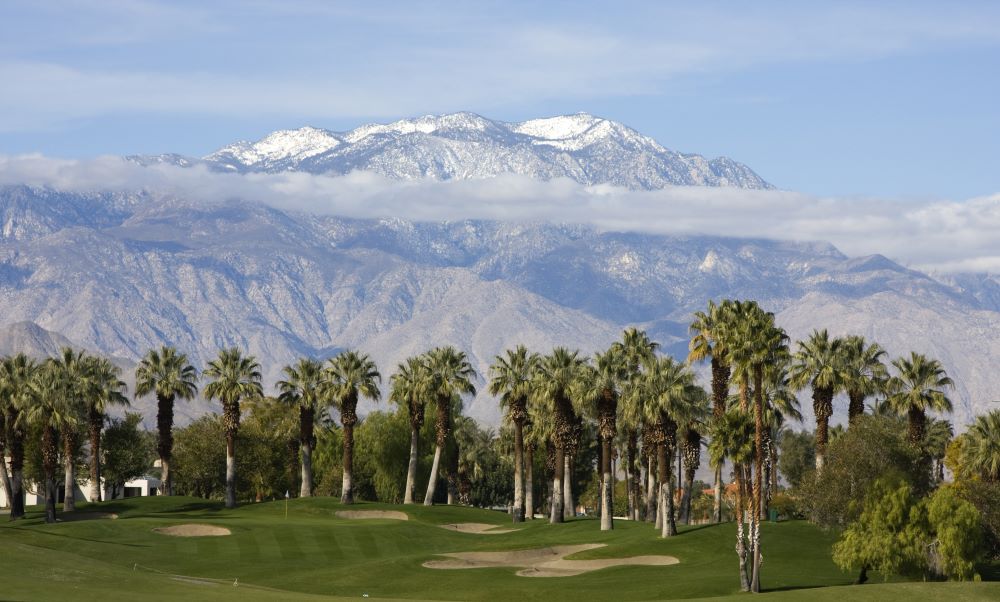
x=34 y=494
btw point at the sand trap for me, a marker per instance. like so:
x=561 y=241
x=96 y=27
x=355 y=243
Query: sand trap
x=192 y=530
x=75 y=516
x=367 y=514
x=478 y=528
x=544 y=562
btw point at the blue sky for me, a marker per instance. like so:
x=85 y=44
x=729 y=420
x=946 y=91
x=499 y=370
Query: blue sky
x=895 y=100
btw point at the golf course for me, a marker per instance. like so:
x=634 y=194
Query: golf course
x=169 y=548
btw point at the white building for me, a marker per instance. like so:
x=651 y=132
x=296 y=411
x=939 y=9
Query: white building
x=141 y=487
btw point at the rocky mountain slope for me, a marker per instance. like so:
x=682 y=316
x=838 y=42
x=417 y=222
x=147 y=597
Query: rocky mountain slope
x=581 y=147
x=120 y=273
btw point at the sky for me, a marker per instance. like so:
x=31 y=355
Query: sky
x=889 y=101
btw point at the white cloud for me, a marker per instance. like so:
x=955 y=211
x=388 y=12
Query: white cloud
x=944 y=236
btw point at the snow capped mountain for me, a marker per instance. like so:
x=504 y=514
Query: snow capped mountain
x=123 y=273
x=582 y=147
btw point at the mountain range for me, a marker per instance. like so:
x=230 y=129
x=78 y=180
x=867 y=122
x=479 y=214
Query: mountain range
x=120 y=272
x=584 y=148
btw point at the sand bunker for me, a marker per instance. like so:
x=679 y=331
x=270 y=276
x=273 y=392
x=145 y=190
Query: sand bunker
x=367 y=514
x=192 y=530
x=544 y=562
x=478 y=528
x=75 y=516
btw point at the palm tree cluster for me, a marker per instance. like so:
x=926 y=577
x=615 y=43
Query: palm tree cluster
x=62 y=398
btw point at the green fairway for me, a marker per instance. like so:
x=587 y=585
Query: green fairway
x=314 y=554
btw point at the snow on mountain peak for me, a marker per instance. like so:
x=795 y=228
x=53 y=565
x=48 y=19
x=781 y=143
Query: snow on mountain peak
x=557 y=128
x=280 y=145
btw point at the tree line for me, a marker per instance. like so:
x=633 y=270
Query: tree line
x=627 y=410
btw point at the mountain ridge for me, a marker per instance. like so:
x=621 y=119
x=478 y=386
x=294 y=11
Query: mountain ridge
x=582 y=147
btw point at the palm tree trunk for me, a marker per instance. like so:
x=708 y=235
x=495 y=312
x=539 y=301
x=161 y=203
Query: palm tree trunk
x=50 y=458
x=165 y=440
x=631 y=478
x=5 y=478
x=717 y=503
x=607 y=503
x=306 y=426
x=556 y=516
x=917 y=421
x=652 y=515
x=741 y=549
x=569 y=507
x=69 y=468
x=16 y=468
x=432 y=480
x=518 y=471
x=347 y=489
x=230 y=470
x=823 y=408
x=856 y=407
x=686 y=500
x=96 y=424
x=529 y=484
x=305 y=488
x=667 y=524
x=758 y=484
x=411 y=469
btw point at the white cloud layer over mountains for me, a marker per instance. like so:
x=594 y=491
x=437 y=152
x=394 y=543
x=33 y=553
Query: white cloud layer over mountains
x=942 y=236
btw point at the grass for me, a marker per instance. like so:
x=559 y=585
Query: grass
x=315 y=555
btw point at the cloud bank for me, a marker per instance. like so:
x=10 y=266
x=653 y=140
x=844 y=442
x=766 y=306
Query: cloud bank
x=942 y=236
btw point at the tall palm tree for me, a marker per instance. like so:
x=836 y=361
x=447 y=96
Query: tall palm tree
x=351 y=375
x=983 y=450
x=918 y=387
x=449 y=376
x=864 y=373
x=636 y=348
x=598 y=388
x=691 y=436
x=104 y=389
x=234 y=377
x=16 y=373
x=939 y=435
x=409 y=391
x=552 y=389
x=538 y=435
x=72 y=366
x=510 y=378
x=733 y=438
x=670 y=392
x=302 y=388
x=46 y=406
x=818 y=363
x=708 y=328
x=170 y=376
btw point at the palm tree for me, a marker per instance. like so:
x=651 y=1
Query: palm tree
x=170 y=376
x=670 y=393
x=351 y=375
x=510 y=378
x=709 y=342
x=918 y=387
x=72 y=366
x=408 y=390
x=551 y=387
x=864 y=373
x=733 y=438
x=234 y=377
x=473 y=446
x=939 y=435
x=449 y=376
x=598 y=388
x=302 y=388
x=691 y=441
x=16 y=373
x=45 y=405
x=983 y=450
x=636 y=348
x=818 y=363
x=104 y=389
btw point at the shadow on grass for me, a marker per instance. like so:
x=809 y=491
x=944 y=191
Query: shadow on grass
x=989 y=572
x=77 y=538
